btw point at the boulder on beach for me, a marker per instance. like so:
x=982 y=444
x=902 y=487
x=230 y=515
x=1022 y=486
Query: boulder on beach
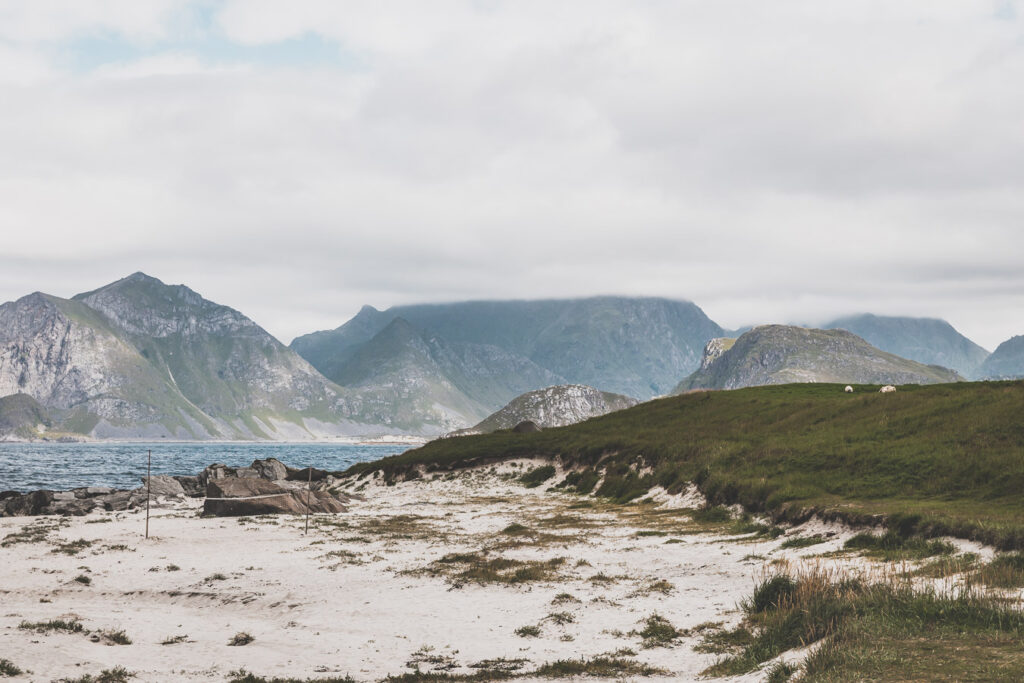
x=163 y=485
x=235 y=497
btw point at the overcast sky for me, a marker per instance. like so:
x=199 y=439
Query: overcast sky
x=771 y=161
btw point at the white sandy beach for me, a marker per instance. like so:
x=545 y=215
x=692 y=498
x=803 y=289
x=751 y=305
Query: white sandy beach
x=363 y=594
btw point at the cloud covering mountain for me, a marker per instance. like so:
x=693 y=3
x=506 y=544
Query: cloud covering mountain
x=771 y=162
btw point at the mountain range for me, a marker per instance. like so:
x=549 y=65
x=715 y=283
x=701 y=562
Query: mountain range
x=141 y=359
x=784 y=354
x=926 y=340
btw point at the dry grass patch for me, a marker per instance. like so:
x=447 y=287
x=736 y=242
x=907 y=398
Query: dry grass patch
x=478 y=567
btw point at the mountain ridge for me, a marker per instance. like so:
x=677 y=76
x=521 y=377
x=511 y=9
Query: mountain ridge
x=783 y=354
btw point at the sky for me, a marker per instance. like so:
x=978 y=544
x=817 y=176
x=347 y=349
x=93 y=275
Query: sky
x=784 y=161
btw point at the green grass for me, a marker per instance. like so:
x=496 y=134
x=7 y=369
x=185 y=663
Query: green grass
x=72 y=547
x=935 y=460
x=463 y=568
x=118 y=637
x=537 y=476
x=8 y=668
x=116 y=675
x=83 y=579
x=243 y=676
x=893 y=547
x=803 y=541
x=659 y=632
x=1004 y=571
x=65 y=625
x=883 y=631
x=602 y=667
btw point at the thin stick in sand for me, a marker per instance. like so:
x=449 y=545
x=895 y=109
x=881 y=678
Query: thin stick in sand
x=149 y=485
x=309 y=486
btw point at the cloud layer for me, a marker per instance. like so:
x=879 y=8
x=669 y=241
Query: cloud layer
x=771 y=161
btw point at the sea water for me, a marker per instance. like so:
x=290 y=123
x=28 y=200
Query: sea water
x=59 y=466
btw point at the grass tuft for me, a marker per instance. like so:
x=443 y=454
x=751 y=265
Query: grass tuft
x=241 y=638
x=8 y=668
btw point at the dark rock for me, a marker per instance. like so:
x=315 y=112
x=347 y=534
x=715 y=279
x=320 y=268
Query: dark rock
x=271 y=468
x=93 y=491
x=234 y=497
x=303 y=474
x=213 y=473
x=191 y=487
x=75 y=507
x=526 y=427
x=124 y=500
x=28 y=504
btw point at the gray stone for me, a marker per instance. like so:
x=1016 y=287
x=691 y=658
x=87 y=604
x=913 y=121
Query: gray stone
x=271 y=468
x=163 y=485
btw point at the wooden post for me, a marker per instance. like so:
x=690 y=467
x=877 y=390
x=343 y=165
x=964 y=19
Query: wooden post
x=149 y=485
x=309 y=487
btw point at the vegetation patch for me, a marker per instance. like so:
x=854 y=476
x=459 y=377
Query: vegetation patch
x=72 y=547
x=241 y=638
x=62 y=625
x=893 y=546
x=83 y=579
x=537 y=476
x=529 y=631
x=946 y=565
x=889 y=630
x=243 y=676
x=463 y=568
x=1004 y=571
x=803 y=541
x=8 y=668
x=118 y=637
x=116 y=675
x=604 y=667
x=659 y=632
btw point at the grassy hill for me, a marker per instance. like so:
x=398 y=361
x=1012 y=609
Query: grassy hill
x=938 y=459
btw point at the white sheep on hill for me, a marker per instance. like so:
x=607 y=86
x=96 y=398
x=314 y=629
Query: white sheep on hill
x=887 y=389
x=848 y=389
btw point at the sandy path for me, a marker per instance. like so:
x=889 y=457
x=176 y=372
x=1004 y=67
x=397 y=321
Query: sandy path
x=353 y=598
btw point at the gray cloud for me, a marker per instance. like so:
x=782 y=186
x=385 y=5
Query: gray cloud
x=774 y=162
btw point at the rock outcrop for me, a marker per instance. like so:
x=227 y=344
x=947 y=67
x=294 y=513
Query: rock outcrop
x=266 y=487
x=235 y=497
x=556 y=406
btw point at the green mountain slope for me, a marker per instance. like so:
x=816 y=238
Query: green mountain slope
x=939 y=459
x=1006 y=362
x=634 y=346
x=781 y=354
x=926 y=340
x=21 y=416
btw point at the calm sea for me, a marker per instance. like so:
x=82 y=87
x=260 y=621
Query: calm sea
x=57 y=466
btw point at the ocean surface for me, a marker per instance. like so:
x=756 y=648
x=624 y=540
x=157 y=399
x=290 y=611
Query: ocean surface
x=58 y=466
